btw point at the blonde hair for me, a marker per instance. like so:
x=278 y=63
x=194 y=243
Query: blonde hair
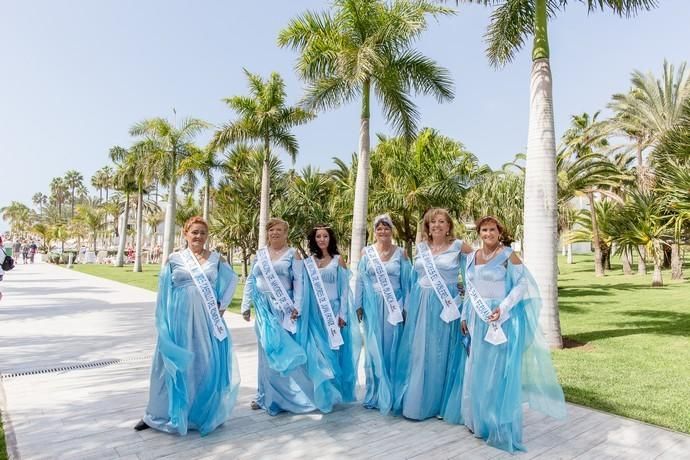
x=430 y=214
x=274 y=221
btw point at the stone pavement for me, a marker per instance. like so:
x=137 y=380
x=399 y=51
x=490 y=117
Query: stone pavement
x=75 y=353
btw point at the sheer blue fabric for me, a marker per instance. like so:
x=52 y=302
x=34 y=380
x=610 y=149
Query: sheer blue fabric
x=431 y=357
x=194 y=376
x=498 y=378
x=381 y=337
x=283 y=384
x=333 y=372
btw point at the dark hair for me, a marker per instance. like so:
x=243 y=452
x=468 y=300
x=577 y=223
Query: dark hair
x=314 y=248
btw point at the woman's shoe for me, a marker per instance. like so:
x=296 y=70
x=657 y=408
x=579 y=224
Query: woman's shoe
x=254 y=405
x=141 y=426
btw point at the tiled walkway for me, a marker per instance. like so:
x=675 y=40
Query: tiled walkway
x=62 y=321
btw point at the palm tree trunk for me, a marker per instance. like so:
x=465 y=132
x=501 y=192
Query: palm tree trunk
x=625 y=260
x=120 y=258
x=569 y=256
x=139 y=238
x=658 y=257
x=642 y=261
x=540 y=213
x=598 y=259
x=169 y=228
x=360 y=207
x=265 y=188
x=207 y=203
x=676 y=262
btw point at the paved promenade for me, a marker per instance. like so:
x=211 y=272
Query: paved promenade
x=75 y=353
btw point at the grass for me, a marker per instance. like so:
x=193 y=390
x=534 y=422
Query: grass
x=147 y=279
x=3 y=446
x=628 y=343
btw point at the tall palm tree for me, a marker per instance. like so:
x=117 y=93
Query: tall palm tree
x=108 y=177
x=360 y=47
x=58 y=191
x=512 y=23
x=92 y=219
x=264 y=118
x=142 y=163
x=40 y=200
x=73 y=180
x=126 y=183
x=172 y=142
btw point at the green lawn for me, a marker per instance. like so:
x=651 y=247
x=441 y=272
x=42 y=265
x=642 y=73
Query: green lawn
x=3 y=447
x=629 y=344
x=148 y=279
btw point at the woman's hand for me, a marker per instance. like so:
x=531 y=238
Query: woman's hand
x=341 y=323
x=360 y=314
x=247 y=315
x=495 y=315
x=294 y=315
x=463 y=327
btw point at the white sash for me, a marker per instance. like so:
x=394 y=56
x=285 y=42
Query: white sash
x=450 y=309
x=394 y=311
x=494 y=335
x=207 y=294
x=280 y=295
x=332 y=328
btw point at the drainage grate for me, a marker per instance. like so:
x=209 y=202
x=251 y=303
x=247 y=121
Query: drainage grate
x=72 y=366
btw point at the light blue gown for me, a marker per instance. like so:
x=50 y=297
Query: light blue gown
x=194 y=377
x=381 y=337
x=499 y=378
x=431 y=357
x=333 y=372
x=283 y=384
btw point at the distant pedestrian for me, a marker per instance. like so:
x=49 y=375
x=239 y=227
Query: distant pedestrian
x=25 y=253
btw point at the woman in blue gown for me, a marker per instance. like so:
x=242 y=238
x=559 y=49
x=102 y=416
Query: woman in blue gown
x=383 y=322
x=332 y=343
x=194 y=376
x=512 y=364
x=431 y=356
x=283 y=384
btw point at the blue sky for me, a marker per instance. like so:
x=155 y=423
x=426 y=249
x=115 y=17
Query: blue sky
x=76 y=74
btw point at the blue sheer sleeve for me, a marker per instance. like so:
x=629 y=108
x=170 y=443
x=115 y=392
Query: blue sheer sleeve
x=226 y=283
x=248 y=291
x=540 y=387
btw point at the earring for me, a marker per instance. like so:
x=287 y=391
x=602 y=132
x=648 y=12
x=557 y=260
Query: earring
x=447 y=233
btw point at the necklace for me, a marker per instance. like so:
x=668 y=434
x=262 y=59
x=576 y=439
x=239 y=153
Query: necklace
x=276 y=252
x=323 y=262
x=385 y=254
x=437 y=249
x=492 y=255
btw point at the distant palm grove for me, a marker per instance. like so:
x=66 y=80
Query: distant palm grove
x=620 y=182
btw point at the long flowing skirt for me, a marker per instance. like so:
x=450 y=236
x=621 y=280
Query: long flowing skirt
x=283 y=383
x=381 y=339
x=492 y=391
x=194 y=377
x=430 y=358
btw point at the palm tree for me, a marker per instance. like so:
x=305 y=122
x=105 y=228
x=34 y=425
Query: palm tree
x=265 y=119
x=58 y=191
x=18 y=215
x=642 y=222
x=92 y=218
x=44 y=231
x=671 y=158
x=73 y=180
x=581 y=140
x=409 y=178
x=108 y=178
x=649 y=109
x=172 y=143
x=40 y=200
x=512 y=23
x=205 y=162
x=142 y=162
x=126 y=183
x=365 y=45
